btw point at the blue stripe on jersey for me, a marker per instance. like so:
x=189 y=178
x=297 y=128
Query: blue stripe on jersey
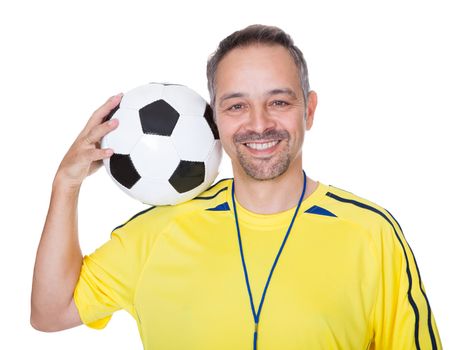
x=315 y=209
x=410 y=297
x=221 y=207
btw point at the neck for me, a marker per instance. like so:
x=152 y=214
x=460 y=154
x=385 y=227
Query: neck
x=272 y=196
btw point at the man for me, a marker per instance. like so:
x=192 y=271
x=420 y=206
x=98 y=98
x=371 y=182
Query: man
x=270 y=259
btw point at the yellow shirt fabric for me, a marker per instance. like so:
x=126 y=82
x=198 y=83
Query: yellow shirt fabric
x=346 y=277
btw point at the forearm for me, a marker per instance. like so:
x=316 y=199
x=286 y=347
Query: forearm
x=59 y=257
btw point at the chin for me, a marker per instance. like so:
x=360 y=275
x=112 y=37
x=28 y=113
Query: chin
x=266 y=172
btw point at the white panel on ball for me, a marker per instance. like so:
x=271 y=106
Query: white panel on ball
x=199 y=136
x=160 y=167
x=186 y=101
x=123 y=139
x=163 y=195
x=141 y=96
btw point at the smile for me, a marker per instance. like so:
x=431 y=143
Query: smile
x=261 y=146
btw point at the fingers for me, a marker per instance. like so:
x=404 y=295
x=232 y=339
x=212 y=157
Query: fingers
x=93 y=155
x=85 y=154
x=99 y=115
x=99 y=131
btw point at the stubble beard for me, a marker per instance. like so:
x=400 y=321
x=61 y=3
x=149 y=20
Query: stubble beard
x=265 y=168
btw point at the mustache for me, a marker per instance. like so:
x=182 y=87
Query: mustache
x=269 y=135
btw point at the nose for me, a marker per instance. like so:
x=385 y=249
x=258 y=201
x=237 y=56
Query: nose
x=260 y=120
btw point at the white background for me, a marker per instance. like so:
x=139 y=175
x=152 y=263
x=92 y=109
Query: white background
x=388 y=126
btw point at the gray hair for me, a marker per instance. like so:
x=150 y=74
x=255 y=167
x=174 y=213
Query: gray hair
x=256 y=34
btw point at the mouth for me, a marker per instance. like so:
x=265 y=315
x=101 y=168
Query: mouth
x=262 y=149
x=262 y=145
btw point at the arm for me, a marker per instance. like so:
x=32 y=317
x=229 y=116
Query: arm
x=59 y=258
x=403 y=316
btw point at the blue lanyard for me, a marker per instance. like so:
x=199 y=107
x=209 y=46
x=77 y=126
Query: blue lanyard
x=256 y=316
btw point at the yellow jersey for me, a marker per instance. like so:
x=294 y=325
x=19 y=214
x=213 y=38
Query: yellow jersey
x=345 y=279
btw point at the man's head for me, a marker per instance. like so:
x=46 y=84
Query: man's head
x=254 y=35
x=261 y=101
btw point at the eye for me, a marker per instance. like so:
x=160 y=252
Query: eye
x=280 y=103
x=235 y=107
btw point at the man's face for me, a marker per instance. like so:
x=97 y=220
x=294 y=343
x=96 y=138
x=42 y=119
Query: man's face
x=260 y=110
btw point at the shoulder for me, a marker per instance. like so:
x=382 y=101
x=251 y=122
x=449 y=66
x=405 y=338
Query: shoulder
x=157 y=218
x=358 y=210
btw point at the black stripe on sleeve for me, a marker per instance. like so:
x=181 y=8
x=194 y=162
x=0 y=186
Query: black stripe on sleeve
x=431 y=331
x=410 y=297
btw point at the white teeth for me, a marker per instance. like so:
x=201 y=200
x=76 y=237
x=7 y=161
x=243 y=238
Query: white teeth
x=261 y=146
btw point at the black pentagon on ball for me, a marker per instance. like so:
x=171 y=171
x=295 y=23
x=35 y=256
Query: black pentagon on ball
x=187 y=176
x=158 y=118
x=123 y=170
x=209 y=116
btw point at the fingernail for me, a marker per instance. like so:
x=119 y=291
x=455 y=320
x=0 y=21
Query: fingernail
x=116 y=96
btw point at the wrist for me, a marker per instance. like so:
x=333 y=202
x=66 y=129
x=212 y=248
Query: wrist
x=62 y=184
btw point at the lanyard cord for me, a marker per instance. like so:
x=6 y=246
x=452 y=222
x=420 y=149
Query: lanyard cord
x=256 y=316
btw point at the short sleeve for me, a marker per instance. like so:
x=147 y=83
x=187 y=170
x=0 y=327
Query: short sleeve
x=403 y=317
x=109 y=275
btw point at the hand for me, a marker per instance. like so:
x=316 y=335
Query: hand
x=85 y=156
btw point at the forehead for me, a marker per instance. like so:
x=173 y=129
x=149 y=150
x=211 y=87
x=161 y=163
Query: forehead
x=256 y=65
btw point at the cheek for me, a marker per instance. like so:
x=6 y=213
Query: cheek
x=226 y=129
x=228 y=145
x=226 y=135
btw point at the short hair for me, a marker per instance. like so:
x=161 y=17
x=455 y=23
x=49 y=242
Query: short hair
x=256 y=34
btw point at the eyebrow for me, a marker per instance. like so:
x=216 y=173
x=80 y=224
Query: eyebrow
x=286 y=91
x=272 y=92
x=231 y=95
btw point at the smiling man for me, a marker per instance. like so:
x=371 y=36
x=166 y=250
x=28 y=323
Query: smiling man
x=270 y=259
x=262 y=114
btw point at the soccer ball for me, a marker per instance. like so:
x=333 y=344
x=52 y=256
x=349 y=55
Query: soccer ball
x=166 y=146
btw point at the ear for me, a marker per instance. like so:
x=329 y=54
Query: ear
x=311 y=106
